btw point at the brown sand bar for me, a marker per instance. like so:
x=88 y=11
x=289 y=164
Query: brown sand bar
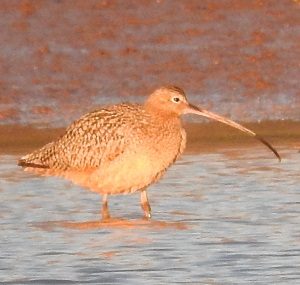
x=17 y=139
x=58 y=57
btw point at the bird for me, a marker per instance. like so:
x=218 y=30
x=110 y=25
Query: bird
x=123 y=148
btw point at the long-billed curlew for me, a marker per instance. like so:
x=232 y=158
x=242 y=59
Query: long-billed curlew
x=123 y=148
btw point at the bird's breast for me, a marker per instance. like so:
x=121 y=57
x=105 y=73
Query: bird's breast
x=162 y=147
x=150 y=150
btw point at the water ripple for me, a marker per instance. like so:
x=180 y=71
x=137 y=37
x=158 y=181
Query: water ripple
x=223 y=218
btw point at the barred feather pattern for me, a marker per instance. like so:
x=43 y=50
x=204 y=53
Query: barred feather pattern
x=119 y=149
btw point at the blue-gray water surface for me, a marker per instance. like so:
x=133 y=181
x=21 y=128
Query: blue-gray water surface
x=229 y=217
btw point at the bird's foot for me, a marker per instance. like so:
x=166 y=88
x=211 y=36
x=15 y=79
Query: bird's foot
x=105 y=215
x=105 y=210
x=147 y=211
x=147 y=216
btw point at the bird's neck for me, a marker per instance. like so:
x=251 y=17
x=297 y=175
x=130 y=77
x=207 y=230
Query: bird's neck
x=165 y=119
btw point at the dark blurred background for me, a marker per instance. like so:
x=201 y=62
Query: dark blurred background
x=61 y=58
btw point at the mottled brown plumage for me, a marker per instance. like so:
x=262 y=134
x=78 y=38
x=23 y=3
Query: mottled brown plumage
x=121 y=148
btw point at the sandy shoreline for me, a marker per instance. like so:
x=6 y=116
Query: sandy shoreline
x=17 y=139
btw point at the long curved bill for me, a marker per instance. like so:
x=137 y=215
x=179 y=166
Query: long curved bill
x=201 y=112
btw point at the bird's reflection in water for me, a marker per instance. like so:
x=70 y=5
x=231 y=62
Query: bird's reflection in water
x=113 y=223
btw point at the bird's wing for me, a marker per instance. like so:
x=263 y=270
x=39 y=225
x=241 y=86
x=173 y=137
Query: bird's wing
x=95 y=138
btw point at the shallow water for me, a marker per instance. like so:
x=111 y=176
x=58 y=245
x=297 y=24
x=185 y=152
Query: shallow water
x=230 y=217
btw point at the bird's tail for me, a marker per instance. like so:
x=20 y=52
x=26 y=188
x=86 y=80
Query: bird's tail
x=38 y=159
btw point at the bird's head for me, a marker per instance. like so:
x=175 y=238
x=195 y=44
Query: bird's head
x=171 y=101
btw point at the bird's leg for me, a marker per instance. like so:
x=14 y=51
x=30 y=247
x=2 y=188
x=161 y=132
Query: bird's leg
x=145 y=204
x=105 y=211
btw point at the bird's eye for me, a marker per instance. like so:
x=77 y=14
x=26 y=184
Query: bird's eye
x=175 y=99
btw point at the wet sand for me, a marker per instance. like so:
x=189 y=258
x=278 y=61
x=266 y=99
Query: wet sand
x=201 y=137
x=60 y=59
